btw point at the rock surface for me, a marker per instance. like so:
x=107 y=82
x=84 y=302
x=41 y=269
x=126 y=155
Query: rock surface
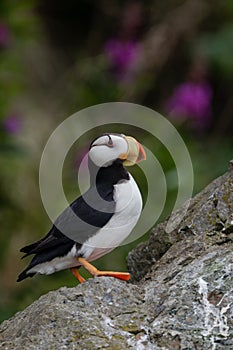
x=182 y=296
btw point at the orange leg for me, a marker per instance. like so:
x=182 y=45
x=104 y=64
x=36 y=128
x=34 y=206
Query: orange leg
x=77 y=275
x=95 y=272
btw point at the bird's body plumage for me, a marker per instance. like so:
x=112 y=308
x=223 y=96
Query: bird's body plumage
x=94 y=224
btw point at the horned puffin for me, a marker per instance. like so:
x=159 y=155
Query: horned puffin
x=107 y=213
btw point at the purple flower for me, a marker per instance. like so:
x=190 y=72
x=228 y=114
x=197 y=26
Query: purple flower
x=12 y=124
x=4 y=35
x=122 y=55
x=191 y=100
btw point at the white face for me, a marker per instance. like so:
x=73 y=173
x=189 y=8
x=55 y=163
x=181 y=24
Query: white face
x=107 y=148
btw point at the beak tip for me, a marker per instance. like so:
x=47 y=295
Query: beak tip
x=141 y=153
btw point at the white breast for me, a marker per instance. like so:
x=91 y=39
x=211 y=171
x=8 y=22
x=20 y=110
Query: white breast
x=128 y=209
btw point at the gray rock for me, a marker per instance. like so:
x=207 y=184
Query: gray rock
x=182 y=296
x=208 y=222
x=103 y=313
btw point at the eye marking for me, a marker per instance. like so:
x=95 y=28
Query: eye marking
x=110 y=143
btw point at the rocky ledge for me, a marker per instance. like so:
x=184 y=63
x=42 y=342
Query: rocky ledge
x=180 y=296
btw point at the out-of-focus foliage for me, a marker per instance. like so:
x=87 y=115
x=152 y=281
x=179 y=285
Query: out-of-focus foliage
x=218 y=48
x=59 y=57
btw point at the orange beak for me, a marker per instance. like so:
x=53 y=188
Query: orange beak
x=135 y=154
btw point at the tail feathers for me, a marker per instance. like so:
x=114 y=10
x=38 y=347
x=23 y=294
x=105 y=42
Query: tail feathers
x=24 y=275
x=44 y=257
x=29 y=248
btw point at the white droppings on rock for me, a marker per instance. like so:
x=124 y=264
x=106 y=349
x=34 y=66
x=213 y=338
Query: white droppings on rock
x=141 y=342
x=215 y=319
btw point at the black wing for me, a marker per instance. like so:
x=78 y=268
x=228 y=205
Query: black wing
x=82 y=219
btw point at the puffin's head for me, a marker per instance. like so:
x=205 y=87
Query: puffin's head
x=107 y=148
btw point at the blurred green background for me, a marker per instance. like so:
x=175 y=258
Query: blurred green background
x=58 y=57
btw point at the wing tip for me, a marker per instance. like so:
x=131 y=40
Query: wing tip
x=24 y=275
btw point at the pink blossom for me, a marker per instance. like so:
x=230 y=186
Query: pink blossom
x=191 y=100
x=4 y=35
x=122 y=55
x=12 y=124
